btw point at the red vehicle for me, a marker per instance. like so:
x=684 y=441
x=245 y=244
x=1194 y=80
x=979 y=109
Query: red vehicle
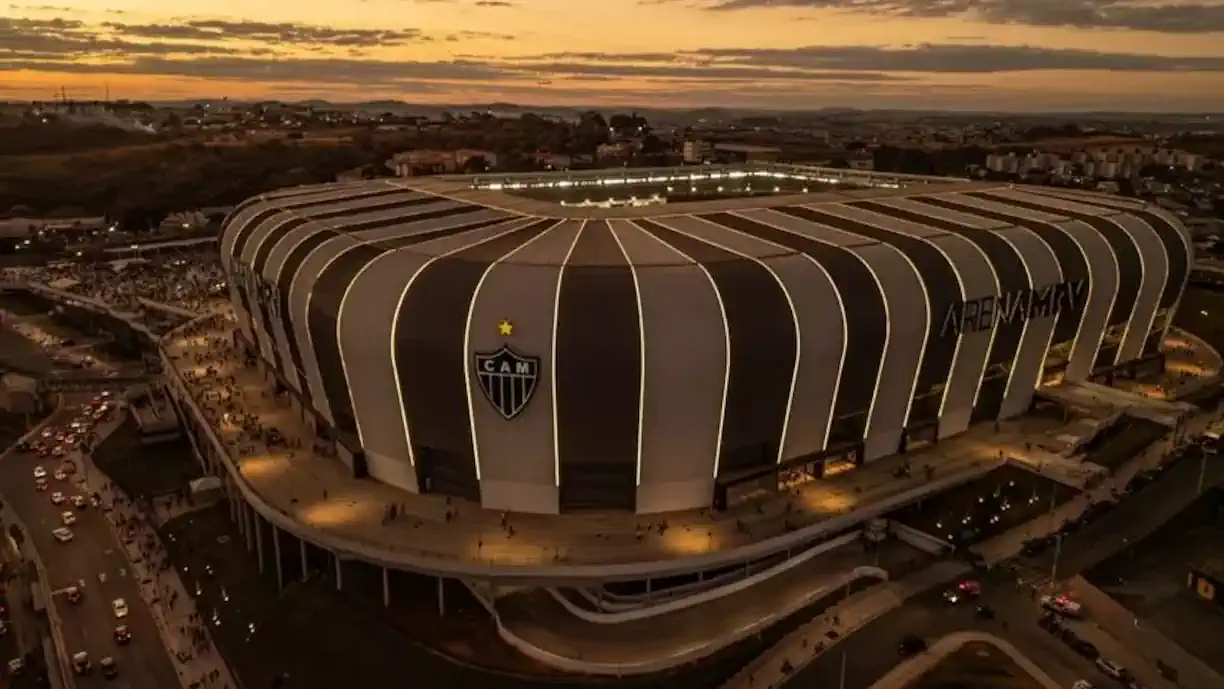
x=966 y=590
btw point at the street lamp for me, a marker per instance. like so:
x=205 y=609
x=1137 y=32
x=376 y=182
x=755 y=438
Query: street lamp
x=1202 y=477
x=1058 y=539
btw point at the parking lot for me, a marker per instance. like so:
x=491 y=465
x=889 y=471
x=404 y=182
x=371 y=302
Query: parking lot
x=977 y=666
x=994 y=504
x=1151 y=579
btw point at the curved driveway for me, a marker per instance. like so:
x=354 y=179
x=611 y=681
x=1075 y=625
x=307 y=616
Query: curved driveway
x=144 y=664
x=871 y=652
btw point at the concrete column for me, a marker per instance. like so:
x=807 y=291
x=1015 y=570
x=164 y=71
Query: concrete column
x=250 y=526
x=280 y=566
x=259 y=546
x=386 y=588
x=441 y=597
x=233 y=504
x=302 y=549
x=339 y=573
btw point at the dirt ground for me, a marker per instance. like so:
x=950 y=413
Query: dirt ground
x=977 y=666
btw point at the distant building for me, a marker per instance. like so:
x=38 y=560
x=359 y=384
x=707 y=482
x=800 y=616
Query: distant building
x=617 y=150
x=19 y=227
x=695 y=151
x=428 y=161
x=744 y=153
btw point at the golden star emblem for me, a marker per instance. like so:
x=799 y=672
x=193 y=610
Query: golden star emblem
x=505 y=328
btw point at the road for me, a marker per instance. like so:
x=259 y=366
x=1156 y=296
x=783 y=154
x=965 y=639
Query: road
x=89 y=626
x=1132 y=520
x=871 y=652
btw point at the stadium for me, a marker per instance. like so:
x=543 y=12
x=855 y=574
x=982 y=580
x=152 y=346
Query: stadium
x=582 y=341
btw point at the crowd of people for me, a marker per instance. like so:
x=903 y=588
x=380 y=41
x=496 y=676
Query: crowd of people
x=186 y=279
x=164 y=590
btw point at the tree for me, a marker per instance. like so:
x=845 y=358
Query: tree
x=593 y=119
x=653 y=145
x=475 y=165
x=141 y=218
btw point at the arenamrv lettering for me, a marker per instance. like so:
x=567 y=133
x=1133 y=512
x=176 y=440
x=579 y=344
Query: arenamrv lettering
x=985 y=313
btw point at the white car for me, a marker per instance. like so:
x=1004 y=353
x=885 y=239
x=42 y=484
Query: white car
x=62 y=535
x=120 y=608
x=57 y=498
x=60 y=476
x=68 y=518
x=40 y=472
x=78 y=501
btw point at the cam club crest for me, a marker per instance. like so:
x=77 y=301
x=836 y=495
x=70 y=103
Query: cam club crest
x=507 y=378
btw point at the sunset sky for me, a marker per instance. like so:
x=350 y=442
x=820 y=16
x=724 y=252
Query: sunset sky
x=1149 y=55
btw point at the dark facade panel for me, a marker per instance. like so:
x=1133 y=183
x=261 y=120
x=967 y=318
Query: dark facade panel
x=1013 y=276
x=598 y=368
x=867 y=326
x=275 y=235
x=325 y=300
x=284 y=281
x=1172 y=239
x=265 y=306
x=287 y=194
x=762 y=356
x=248 y=300
x=1070 y=257
x=429 y=337
x=303 y=205
x=301 y=252
x=1130 y=268
x=943 y=294
x=1179 y=261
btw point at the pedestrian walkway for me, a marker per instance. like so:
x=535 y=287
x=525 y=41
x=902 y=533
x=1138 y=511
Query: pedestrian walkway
x=1074 y=473
x=784 y=659
x=184 y=633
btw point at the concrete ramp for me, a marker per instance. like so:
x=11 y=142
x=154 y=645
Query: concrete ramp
x=541 y=626
x=1093 y=396
x=586 y=607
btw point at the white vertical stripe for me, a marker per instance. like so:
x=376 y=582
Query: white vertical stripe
x=1143 y=277
x=722 y=309
x=512 y=223
x=790 y=303
x=1113 y=300
x=552 y=362
x=395 y=369
x=845 y=322
x=926 y=334
x=641 y=416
